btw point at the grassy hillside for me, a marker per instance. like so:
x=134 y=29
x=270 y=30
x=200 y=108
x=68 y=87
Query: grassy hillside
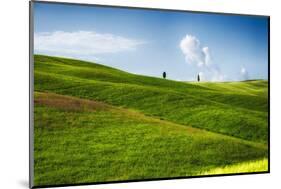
x=251 y=166
x=94 y=123
x=237 y=109
x=86 y=141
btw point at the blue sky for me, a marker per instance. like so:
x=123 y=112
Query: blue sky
x=148 y=42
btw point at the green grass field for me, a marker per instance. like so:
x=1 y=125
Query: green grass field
x=95 y=123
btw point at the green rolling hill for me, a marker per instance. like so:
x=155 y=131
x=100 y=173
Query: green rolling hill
x=95 y=123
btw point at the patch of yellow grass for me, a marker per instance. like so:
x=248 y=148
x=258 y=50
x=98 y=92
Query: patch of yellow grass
x=244 y=167
x=67 y=102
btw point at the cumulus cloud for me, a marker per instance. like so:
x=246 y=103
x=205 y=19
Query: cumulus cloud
x=82 y=43
x=244 y=73
x=207 y=56
x=194 y=52
x=212 y=75
x=200 y=55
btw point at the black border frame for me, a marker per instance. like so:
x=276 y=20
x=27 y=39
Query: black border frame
x=31 y=85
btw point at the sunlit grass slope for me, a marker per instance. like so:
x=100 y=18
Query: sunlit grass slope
x=238 y=109
x=79 y=140
x=244 y=167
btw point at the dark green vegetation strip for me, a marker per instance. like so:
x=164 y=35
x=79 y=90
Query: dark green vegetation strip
x=89 y=141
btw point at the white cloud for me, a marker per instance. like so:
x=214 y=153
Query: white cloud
x=82 y=43
x=211 y=75
x=200 y=55
x=207 y=55
x=193 y=51
x=244 y=73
